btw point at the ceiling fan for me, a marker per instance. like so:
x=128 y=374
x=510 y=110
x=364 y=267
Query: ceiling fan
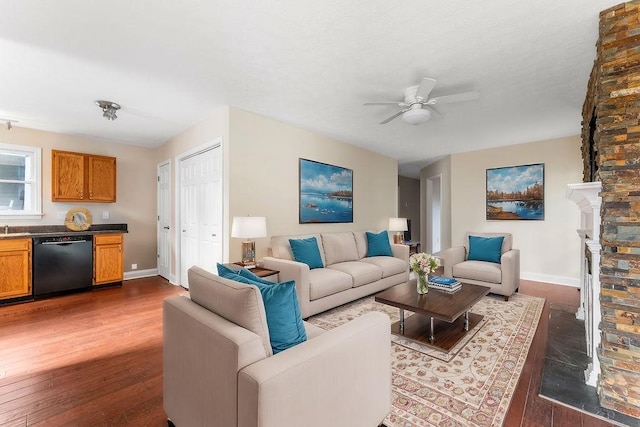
x=417 y=107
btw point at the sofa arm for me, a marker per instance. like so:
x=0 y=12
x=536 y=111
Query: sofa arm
x=510 y=265
x=202 y=354
x=340 y=378
x=292 y=270
x=400 y=251
x=453 y=256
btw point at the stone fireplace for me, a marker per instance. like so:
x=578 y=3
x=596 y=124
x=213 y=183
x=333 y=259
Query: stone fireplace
x=611 y=154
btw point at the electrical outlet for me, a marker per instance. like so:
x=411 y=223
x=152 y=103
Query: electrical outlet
x=105 y=214
x=134 y=266
x=61 y=214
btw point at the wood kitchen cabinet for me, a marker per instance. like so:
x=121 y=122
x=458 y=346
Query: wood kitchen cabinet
x=82 y=177
x=108 y=258
x=15 y=265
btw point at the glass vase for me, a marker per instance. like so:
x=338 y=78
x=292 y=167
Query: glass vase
x=422 y=284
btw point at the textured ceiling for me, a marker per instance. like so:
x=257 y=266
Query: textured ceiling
x=308 y=63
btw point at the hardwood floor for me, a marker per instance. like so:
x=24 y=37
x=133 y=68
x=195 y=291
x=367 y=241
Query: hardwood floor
x=95 y=359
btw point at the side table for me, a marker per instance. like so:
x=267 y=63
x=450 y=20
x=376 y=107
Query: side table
x=265 y=273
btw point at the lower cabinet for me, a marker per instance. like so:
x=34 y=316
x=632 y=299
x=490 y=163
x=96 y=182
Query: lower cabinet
x=15 y=265
x=108 y=258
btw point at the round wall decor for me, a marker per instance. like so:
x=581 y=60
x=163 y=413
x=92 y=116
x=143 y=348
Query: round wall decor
x=78 y=219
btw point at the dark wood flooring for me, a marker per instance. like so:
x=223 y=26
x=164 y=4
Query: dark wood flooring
x=95 y=359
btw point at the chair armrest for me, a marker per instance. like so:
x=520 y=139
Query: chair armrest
x=400 y=251
x=510 y=265
x=292 y=270
x=202 y=354
x=453 y=256
x=340 y=378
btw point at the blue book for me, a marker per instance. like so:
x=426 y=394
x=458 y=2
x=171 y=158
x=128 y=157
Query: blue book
x=443 y=280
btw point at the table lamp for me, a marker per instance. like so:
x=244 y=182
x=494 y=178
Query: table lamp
x=398 y=225
x=247 y=228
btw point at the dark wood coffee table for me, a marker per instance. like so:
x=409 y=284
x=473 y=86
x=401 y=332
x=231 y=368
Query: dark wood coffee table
x=446 y=313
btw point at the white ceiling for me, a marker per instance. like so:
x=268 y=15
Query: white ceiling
x=309 y=63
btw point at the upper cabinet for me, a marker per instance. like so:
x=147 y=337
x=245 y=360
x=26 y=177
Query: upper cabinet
x=82 y=177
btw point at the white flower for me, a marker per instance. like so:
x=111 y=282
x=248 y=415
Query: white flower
x=422 y=263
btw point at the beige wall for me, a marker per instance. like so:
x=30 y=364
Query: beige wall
x=263 y=177
x=136 y=187
x=549 y=249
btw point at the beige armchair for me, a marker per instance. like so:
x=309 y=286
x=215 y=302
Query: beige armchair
x=219 y=368
x=503 y=278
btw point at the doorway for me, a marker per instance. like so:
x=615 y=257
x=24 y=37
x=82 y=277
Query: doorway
x=164 y=219
x=434 y=214
x=200 y=205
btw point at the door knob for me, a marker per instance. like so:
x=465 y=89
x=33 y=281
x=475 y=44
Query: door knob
x=166 y=228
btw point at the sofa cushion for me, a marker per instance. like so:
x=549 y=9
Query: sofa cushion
x=306 y=251
x=325 y=281
x=284 y=320
x=339 y=247
x=478 y=270
x=390 y=266
x=236 y=302
x=362 y=273
x=378 y=244
x=361 y=243
x=486 y=249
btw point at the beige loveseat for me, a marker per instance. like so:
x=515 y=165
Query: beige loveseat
x=348 y=273
x=219 y=367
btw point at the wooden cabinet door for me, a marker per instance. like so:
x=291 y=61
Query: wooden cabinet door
x=68 y=180
x=102 y=179
x=108 y=258
x=15 y=265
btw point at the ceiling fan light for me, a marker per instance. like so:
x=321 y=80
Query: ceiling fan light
x=416 y=116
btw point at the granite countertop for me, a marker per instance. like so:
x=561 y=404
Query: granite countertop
x=15 y=232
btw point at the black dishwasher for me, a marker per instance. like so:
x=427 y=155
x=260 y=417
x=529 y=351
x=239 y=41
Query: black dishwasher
x=62 y=264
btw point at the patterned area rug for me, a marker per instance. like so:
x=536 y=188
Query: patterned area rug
x=472 y=387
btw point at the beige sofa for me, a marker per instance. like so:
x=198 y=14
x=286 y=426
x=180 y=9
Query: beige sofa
x=348 y=274
x=219 y=369
x=502 y=278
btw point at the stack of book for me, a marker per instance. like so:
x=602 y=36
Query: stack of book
x=447 y=284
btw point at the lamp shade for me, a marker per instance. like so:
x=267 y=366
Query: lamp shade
x=249 y=227
x=398 y=224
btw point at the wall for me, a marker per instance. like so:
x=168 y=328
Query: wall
x=409 y=203
x=263 y=177
x=614 y=93
x=441 y=170
x=136 y=185
x=549 y=249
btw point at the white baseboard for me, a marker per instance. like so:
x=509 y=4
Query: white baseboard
x=547 y=278
x=137 y=274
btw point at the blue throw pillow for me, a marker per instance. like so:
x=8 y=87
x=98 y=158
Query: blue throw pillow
x=249 y=275
x=306 y=251
x=378 y=244
x=487 y=249
x=281 y=307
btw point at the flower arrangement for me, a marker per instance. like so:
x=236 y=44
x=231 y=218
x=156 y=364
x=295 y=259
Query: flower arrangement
x=423 y=264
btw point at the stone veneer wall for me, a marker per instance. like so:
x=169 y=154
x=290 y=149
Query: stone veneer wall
x=614 y=92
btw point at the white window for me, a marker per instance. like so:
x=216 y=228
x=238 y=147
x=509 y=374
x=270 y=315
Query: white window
x=20 y=185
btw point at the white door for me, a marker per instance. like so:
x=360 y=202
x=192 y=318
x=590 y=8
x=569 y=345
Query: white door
x=200 y=211
x=164 y=219
x=434 y=214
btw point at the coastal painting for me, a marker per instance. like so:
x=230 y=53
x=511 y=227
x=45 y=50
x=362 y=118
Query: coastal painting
x=326 y=193
x=516 y=192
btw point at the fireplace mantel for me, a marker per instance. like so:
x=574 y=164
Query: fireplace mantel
x=587 y=196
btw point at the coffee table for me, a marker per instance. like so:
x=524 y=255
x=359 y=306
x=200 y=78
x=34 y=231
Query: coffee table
x=446 y=313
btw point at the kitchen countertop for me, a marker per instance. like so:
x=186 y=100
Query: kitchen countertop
x=17 y=232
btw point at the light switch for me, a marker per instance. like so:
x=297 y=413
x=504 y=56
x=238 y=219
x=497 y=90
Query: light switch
x=61 y=214
x=105 y=214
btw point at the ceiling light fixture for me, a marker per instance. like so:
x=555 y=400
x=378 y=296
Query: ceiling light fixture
x=416 y=116
x=108 y=109
x=9 y=122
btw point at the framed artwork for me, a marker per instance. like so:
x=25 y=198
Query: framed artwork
x=516 y=192
x=325 y=193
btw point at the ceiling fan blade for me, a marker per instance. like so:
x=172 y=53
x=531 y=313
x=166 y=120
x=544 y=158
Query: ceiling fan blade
x=433 y=110
x=425 y=88
x=400 y=104
x=393 y=117
x=465 y=96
